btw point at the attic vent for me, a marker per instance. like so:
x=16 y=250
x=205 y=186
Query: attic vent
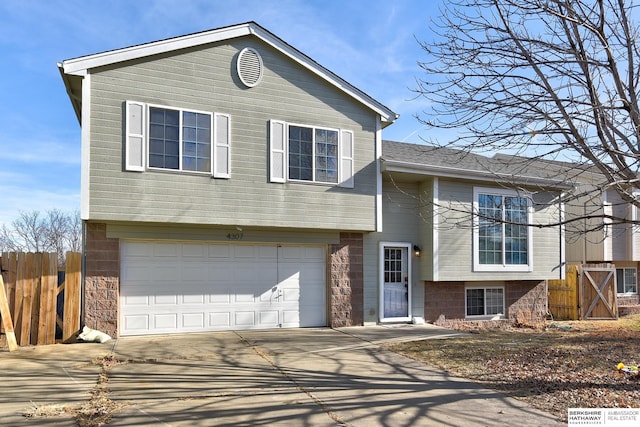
x=249 y=67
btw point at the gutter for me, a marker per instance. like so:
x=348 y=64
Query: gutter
x=473 y=175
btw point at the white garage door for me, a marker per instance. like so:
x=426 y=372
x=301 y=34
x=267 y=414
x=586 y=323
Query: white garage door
x=191 y=287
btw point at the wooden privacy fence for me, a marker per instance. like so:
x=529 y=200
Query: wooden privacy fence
x=32 y=290
x=563 y=295
x=588 y=292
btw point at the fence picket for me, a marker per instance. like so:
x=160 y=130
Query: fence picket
x=32 y=292
x=72 y=296
x=47 y=315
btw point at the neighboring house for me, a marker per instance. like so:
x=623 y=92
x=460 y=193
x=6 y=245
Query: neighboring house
x=596 y=231
x=470 y=266
x=227 y=182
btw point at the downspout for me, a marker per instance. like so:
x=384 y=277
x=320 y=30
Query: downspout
x=378 y=157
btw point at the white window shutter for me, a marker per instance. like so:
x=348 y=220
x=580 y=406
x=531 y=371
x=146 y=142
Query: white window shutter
x=222 y=146
x=346 y=159
x=134 y=136
x=277 y=151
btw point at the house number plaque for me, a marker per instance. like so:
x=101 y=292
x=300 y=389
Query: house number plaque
x=236 y=235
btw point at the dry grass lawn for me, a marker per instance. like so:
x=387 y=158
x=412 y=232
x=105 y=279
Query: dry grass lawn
x=552 y=367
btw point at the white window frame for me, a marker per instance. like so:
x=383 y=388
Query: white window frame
x=279 y=154
x=477 y=191
x=502 y=315
x=623 y=275
x=313 y=153
x=181 y=112
x=137 y=140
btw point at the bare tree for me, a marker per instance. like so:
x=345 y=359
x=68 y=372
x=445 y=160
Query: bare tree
x=542 y=79
x=34 y=232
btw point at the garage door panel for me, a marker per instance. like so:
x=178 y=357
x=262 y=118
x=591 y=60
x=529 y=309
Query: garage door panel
x=245 y=318
x=165 y=321
x=220 y=320
x=194 y=251
x=165 y=300
x=268 y=318
x=193 y=320
x=138 y=322
x=185 y=287
x=193 y=299
x=165 y=250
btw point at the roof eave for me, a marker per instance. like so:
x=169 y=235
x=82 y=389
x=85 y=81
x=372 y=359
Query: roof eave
x=76 y=100
x=472 y=175
x=80 y=66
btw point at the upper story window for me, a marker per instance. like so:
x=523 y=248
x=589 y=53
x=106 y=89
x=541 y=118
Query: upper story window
x=502 y=237
x=180 y=140
x=626 y=280
x=164 y=138
x=311 y=154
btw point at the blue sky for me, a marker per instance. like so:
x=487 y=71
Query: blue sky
x=370 y=43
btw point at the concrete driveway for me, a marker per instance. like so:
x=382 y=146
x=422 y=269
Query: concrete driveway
x=296 y=377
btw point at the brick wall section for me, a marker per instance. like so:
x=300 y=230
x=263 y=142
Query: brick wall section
x=102 y=279
x=346 y=284
x=525 y=301
x=443 y=298
x=624 y=300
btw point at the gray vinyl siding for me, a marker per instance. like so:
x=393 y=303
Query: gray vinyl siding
x=401 y=224
x=204 y=79
x=455 y=242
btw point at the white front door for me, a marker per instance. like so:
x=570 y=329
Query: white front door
x=395 y=280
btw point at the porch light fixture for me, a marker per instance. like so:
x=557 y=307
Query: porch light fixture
x=416 y=250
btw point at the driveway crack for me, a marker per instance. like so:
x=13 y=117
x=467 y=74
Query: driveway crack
x=326 y=408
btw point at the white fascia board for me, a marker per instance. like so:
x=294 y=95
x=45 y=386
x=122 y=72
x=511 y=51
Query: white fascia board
x=386 y=114
x=452 y=172
x=79 y=66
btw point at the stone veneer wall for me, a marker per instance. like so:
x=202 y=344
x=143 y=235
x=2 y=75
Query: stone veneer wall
x=346 y=297
x=102 y=279
x=443 y=298
x=624 y=300
x=525 y=301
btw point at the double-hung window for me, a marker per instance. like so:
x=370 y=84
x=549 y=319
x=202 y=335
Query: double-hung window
x=484 y=301
x=165 y=138
x=626 y=279
x=502 y=237
x=315 y=154
x=180 y=140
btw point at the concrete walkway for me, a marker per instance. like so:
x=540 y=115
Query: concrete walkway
x=292 y=377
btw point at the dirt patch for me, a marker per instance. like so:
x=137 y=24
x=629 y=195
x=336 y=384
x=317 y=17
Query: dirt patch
x=553 y=367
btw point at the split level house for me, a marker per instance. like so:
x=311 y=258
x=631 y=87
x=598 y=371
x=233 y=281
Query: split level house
x=229 y=181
